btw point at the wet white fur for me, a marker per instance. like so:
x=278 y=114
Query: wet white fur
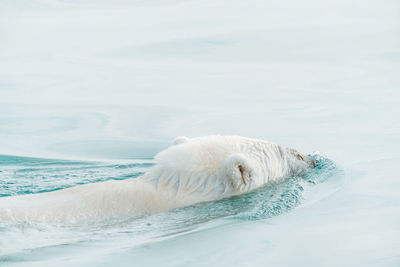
x=190 y=171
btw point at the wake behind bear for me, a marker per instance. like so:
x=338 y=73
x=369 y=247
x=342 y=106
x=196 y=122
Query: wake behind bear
x=190 y=171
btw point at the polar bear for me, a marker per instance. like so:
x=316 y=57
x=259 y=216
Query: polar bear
x=190 y=171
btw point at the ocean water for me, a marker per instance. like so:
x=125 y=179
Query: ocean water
x=92 y=90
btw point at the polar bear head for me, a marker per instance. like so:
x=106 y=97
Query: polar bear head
x=220 y=166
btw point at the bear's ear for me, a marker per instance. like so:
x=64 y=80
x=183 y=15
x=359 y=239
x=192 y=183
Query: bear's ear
x=239 y=171
x=179 y=140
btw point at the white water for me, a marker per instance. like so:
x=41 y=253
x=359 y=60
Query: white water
x=89 y=80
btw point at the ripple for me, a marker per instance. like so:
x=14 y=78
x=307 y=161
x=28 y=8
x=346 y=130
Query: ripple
x=271 y=200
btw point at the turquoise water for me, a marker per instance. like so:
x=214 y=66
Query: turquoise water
x=23 y=175
x=27 y=243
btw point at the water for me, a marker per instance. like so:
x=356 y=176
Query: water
x=22 y=175
x=92 y=90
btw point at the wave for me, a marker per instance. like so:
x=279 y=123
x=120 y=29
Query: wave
x=262 y=203
x=26 y=175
